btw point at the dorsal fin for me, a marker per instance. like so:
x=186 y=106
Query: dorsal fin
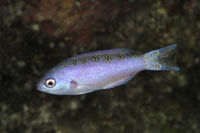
x=105 y=52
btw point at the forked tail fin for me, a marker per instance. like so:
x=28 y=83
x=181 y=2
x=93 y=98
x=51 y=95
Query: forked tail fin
x=160 y=59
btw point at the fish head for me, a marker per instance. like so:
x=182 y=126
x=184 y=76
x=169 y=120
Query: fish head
x=52 y=82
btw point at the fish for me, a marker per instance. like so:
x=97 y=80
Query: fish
x=104 y=69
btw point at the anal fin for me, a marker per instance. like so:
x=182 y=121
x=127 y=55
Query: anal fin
x=120 y=82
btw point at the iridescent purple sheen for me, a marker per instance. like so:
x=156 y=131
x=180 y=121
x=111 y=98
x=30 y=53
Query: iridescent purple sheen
x=103 y=70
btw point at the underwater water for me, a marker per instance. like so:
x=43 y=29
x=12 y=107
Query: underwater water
x=35 y=36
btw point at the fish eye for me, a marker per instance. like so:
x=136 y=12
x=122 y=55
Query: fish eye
x=50 y=83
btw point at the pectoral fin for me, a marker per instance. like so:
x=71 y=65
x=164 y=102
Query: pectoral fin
x=80 y=88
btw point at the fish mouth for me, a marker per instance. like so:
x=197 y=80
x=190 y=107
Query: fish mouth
x=38 y=87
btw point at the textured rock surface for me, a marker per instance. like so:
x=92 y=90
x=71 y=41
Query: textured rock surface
x=36 y=36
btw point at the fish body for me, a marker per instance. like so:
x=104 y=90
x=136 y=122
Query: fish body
x=103 y=70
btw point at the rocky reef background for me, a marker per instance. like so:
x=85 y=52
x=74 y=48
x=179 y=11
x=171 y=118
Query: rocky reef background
x=36 y=35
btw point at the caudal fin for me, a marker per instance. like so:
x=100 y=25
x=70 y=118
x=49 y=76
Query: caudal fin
x=160 y=59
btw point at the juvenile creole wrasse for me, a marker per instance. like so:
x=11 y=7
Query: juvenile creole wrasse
x=103 y=70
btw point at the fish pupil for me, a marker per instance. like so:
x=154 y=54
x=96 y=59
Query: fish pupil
x=50 y=83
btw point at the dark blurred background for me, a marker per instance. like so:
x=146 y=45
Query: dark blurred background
x=37 y=35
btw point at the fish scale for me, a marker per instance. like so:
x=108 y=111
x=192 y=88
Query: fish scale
x=105 y=69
